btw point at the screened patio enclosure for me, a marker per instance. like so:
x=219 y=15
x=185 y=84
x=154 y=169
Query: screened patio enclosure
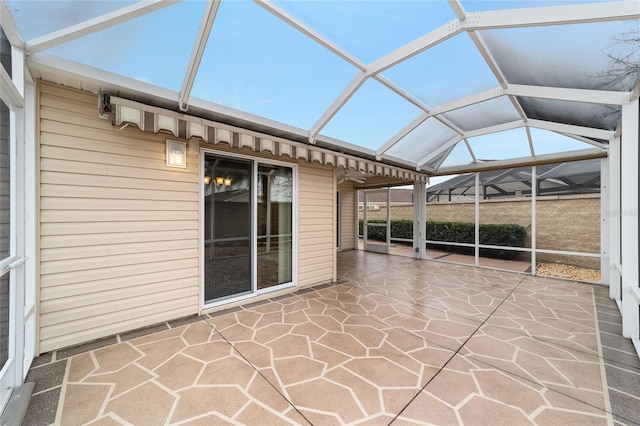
x=398 y=91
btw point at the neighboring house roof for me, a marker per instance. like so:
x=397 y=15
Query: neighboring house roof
x=564 y=178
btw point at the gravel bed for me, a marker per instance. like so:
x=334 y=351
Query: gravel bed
x=571 y=272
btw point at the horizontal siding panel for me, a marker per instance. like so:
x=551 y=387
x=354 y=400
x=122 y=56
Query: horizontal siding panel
x=66 y=166
x=99 y=285
x=57 y=153
x=311 y=258
x=75 y=167
x=56 y=203
x=142 y=149
x=110 y=303
x=115 y=228
x=78 y=119
x=115 y=272
x=72 y=191
x=72 y=265
x=87 y=240
x=118 y=294
x=62 y=178
x=315 y=277
x=143 y=319
x=116 y=216
x=154 y=142
x=77 y=96
x=71 y=325
x=80 y=252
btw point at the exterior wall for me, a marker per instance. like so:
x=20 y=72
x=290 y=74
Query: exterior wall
x=570 y=223
x=119 y=231
x=347 y=215
x=316 y=229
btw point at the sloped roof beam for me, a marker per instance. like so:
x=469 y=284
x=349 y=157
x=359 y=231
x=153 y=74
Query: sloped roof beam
x=530 y=139
x=473 y=154
x=572 y=129
x=281 y=14
x=584 y=154
x=444 y=157
x=9 y=26
x=292 y=21
x=552 y=15
x=433 y=154
x=200 y=44
x=494 y=129
x=401 y=134
x=96 y=24
x=346 y=94
x=9 y=92
x=493 y=65
x=602 y=97
x=585 y=140
x=440 y=34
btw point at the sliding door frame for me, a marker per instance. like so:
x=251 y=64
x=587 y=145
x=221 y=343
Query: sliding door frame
x=255 y=163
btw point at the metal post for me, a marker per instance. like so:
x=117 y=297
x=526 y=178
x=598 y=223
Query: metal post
x=604 y=221
x=419 y=221
x=534 y=220
x=629 y=222
x=613 y=269
x=477 y=228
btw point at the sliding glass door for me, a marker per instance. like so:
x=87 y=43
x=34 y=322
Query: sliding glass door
x=227 y=227
x=275 y=225
x=248 y=227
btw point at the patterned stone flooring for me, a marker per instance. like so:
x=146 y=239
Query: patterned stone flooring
x=394 y=341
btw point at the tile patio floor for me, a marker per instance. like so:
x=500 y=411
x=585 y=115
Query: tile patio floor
x=394 y=341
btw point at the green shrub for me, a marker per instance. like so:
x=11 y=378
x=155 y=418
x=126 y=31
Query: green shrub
x=458 y=232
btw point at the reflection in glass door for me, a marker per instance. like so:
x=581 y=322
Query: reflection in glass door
x=275 y=225
x=227 y=227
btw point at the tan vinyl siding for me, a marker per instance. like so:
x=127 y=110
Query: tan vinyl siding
x=316 y=232
x=119 y=231
x=347 y=215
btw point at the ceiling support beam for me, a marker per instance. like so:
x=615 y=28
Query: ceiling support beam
x=473 y=154
x=401 y=134
x=9 y=92
x=200 y=44
x=412 y=48
x=586 y=140
x=586 y=154
x=96 y=24
x=292 y=21
x=346 y=94
x=602 y=97
x=9 y=26
x=444 y=147
x=568 y=128
x=552 y=15
x=494 y=129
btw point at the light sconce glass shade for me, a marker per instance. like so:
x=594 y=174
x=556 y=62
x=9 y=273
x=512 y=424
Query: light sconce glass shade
x=219 y=180
x=176 y=154
x=227 y=182
x=207 y=180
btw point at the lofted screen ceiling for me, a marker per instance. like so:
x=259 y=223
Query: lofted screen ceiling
x=436 y=86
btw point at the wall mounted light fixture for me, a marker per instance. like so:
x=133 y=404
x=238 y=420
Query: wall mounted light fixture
x=207 y=179
x=176 y=154
x=219 y=180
